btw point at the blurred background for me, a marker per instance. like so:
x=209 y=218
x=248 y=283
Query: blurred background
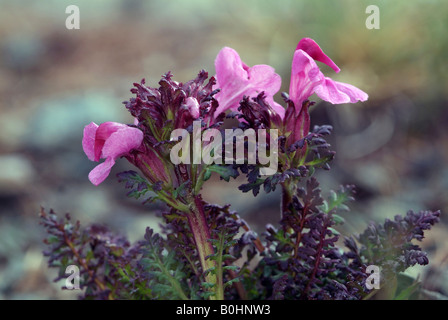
x=54 y=81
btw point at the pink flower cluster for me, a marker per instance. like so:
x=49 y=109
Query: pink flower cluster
x=235 y=80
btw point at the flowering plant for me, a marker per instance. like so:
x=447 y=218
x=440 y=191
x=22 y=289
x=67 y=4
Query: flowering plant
x=207 y=251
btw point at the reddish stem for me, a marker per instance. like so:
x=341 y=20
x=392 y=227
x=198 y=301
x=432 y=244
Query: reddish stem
x=201 y=235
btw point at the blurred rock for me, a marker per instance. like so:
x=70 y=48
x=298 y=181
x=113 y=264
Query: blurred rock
x=16 y=173
x=12 y=129
x=58 y=121
x=22 y=52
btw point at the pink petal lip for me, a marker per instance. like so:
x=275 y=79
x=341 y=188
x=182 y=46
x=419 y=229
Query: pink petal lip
x=109 y=140
x=328 y=91
x=354 y=93
x=338 y=92
x=101 y=171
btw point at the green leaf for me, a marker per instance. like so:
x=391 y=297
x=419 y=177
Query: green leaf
x=123 y=275
x=167 y=279
x=337 y=201
x=406 y=293
x=207 y=175
x=210 y=270
x=233 y=268
x=228 y=257
x=230 y=282
x=225 y=171
x=334 y=231
x=208 y=285
x=338 y=219
x=52 y=239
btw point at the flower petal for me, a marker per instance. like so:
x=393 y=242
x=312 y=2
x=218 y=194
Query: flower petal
x=305 y=77
x=236 y=80
x=314 y=51
x=228 y=65
x=101 y=171
x=278 y=108
x=263 y=78
x=328 y=91
x=338 y=92
x=88 y=140
x=105 y=130
x=354 y=93
x=193 y=107
x=122 y=142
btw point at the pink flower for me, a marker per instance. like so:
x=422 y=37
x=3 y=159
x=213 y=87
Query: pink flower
x=306 y=78
x=109 y=141
x=236 y=80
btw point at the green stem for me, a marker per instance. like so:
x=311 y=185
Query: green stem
x=219 y=269
x=199 y=181
x=201 y=235
x=175 y=204
x=288 y=190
